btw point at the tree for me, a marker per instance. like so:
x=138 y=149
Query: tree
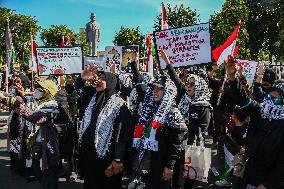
x=279 y=45
x=54 y=35
x=130 y=36
x=22 y=27
x=263 y=26
x=82 y=41
x=179 y=16
x=224 y=22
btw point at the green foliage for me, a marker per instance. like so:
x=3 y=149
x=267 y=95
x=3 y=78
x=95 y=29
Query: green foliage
x=178 y=16
x=264 y=27
x=22 y=27
x=224 y=22
x=130 y=36
x=52 y=37
x=82 y=41
x=279 y=44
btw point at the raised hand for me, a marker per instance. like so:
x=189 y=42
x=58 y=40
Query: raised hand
x=89 y=72
x=240 y=69
x=164 y=56
x=260 y=69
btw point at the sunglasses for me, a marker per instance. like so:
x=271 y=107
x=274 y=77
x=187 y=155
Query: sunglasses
x=189 y=84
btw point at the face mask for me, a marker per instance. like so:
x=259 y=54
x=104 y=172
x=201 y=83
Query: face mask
x=278 y=101
x=38 y=94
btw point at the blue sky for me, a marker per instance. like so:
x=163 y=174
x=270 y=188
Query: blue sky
x=111 y=14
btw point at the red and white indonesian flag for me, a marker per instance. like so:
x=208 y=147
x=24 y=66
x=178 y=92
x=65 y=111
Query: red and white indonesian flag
x=164 y=18
x=149 y=60
x=32 y=62
x=220 y=54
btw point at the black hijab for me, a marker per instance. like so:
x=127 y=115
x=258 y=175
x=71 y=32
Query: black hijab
x=102 y=97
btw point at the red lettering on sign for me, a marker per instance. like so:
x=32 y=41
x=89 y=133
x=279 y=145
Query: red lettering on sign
x=161 y=35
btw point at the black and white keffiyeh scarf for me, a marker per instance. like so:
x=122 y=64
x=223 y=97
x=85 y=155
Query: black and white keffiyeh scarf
x=154 y=115
x=125 y=79
x=271 y=111
x=104 y=124
x=133 y=102
x=201 y=97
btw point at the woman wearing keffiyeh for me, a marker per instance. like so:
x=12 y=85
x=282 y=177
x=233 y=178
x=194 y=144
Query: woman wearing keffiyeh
x=158 y=135
x=265 y=139
x=105 y=131
x=193 y=102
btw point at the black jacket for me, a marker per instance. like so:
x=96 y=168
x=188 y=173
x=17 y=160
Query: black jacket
x=230 y=97
x=265 y=147
x=258 y=93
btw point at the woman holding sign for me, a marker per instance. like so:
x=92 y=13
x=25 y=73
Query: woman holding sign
x=193 y=102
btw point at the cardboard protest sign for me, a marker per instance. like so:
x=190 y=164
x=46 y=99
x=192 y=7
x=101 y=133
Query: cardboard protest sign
x=127 y=53
x=59 y=60
x=185 y=46
x=99 y=61
x=113 y=54
x=249 y=69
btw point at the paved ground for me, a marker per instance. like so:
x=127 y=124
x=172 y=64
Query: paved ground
x=10 y=180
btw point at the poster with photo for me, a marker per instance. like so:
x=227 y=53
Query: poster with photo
x=127 y=53
x=113 y=54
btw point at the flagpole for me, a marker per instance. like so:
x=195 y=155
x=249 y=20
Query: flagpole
x=145 y=51
x=224 y=81
x=7 y=59
x=32 y=57
x=6 y=78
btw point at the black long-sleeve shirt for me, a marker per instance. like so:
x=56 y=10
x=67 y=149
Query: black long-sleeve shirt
x=265 y=146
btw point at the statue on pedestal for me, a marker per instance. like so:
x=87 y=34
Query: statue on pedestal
x=93 y=35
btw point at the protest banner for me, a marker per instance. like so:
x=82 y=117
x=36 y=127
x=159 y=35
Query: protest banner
x=249 y=69
x=113 y=54
x=185 y=46
x=59 y=60
x=127 y=52
x=99 y=61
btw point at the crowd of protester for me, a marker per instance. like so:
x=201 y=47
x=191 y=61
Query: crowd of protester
x=101 y=126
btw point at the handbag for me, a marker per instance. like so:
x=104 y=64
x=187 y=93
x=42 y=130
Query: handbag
x=239 y=163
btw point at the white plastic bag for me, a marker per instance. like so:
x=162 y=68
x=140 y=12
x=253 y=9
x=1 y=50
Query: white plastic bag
x=197 y=162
